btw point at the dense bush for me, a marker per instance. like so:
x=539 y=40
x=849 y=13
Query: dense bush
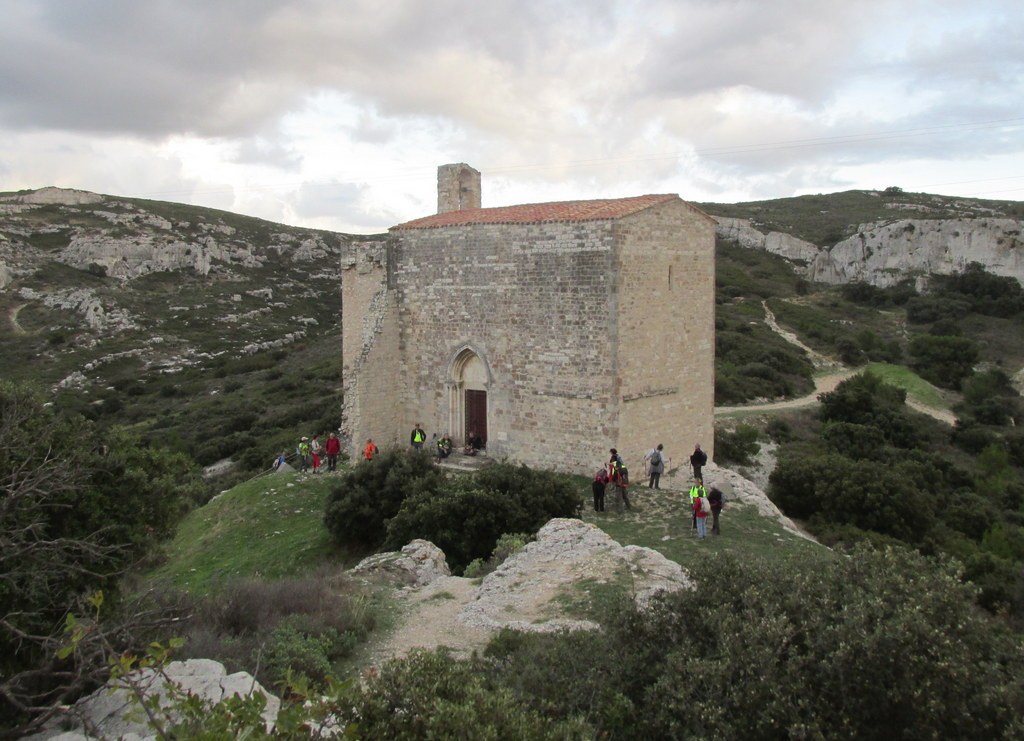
x=78 y=506
x=982 y=291
x=875 y=646
x=865 y=399
x=372 y=492
x=943 y=360
x=736 y=446
x=467 y=518
x=401 y=496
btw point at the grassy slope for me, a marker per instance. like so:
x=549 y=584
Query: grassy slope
x=272 y=526
x=269 y=527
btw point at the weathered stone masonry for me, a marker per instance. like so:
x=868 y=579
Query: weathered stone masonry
x=583 y=325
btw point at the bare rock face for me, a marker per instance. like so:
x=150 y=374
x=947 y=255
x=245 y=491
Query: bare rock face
x=113 y=712
x=63 y=196
x=885 y=253
x=746 y=235
x=528 y=590
x=416 y=565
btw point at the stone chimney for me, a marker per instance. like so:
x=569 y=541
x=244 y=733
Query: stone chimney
x=458 y=187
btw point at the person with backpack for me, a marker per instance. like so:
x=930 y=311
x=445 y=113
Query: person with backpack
x=717 y=500
x=370 y=450
x=701 y=509
x=696 y=492
x=598 y=487
x=656 y=462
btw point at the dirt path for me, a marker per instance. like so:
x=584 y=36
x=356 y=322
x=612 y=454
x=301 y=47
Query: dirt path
x=822 y=384
x=12 y=317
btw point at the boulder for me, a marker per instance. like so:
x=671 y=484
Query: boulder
x=113 y=712
x=416 y=565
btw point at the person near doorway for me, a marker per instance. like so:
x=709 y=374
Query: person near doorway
x=417 y=437
x=444 y=447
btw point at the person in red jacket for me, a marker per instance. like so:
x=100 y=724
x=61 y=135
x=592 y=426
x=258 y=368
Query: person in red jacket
x=332 y=447
x=370 y=450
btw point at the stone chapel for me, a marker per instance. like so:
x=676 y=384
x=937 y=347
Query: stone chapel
x=554 y=331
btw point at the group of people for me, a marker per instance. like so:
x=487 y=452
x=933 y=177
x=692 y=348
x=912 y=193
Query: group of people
x=702 y=502
x=442 y=445
x=310 y=454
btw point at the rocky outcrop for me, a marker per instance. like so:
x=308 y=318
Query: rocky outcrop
x=885 y=253
x=113 y=712
x=746 y=235
x=417 y=565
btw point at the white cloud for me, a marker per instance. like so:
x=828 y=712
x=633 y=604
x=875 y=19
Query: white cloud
x=337 y=114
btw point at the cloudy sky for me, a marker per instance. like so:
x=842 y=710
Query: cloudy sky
x=335 y=113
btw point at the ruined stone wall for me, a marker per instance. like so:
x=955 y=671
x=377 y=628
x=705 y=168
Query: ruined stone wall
x=666 y=319
x=533 y=301
x=370 y=351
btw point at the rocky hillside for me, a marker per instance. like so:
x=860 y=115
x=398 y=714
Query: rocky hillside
x=99 y=279
x=903 y=235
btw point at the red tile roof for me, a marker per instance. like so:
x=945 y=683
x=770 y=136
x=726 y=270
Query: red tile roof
x=608 y=208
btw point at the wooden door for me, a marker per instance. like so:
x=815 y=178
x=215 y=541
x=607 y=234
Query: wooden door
x=476 y=414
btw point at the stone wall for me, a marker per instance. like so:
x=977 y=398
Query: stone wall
x=371 y=363
x=532 y=301
x=666 y=352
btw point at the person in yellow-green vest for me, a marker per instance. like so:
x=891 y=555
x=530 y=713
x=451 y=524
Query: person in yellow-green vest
x=697 y=490
x=417 y=437
x=303 y=452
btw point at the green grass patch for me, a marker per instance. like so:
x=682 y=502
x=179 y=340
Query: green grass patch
x=661 y=520
x=916 y=387
x=269 y=527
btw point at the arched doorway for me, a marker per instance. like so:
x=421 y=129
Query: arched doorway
x=467 y=396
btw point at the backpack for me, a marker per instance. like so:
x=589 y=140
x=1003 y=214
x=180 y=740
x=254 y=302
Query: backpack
x=705 y=507
x=655 y=458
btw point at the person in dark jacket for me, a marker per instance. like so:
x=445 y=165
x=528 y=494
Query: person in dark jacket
x=698 y=460
x=598 y=487
x=717 y=501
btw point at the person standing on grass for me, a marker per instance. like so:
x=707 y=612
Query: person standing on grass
x=303 y=453
x=314 y=452
x=696 y=491
x=332 y=448
x=656 y=461
x=717 y=501
x=698 y=459
x=598 y=487
x=700 y=515
x=619 y=476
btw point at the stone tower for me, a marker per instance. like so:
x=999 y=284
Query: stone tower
x=458 y=187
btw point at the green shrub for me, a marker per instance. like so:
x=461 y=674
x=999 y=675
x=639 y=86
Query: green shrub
x=942 y=360
x=431 y=695
x=736 y=446
x=467 y=519
x=878 y=645
x=372 y=493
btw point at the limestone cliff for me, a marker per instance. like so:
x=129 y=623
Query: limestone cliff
x=884 y=252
